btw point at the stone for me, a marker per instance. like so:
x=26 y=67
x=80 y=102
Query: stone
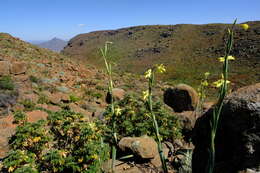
x=52 y=108
x=36 y=115
x=237 y=142
x=156 y=161
x=32 y=97
x=78 y=109
x=118 y=94
x=187 y=119
x=63 y=89
x=7 y=129
x=4 y=68
x=120 y=167
x=55 y=98
x=144 y=147
x=18 y=68
x=181 y=98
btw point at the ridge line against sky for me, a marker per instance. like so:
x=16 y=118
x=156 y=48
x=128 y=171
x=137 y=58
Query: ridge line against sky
x=45 y=19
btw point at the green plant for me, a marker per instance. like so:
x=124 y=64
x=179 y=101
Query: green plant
x=19 y=117
x=34 y=79
x=66 y=142
x=202 y=91
x=32 y=137
x=147 y=95
x=135 y=120
x=74 y=98
x=43 y=99
x=222 y=85
x=108 y=65
x=6 y=83
x=20 y=161
x=28 y=104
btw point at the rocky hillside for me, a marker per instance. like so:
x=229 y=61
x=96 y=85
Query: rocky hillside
x=187 y=50
x=54 y=44
x=32 y=79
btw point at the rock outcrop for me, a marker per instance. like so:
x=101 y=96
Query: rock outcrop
x=238 y=134
x=181 y=98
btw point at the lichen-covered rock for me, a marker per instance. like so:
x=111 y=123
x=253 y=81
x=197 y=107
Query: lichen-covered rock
x=144 y=147
x=181 y=98
x=4 y=68
x=18 y=68
x=238 y=135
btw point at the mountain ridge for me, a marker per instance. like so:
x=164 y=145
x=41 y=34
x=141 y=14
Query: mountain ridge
x=54 y=44
x=187 y=50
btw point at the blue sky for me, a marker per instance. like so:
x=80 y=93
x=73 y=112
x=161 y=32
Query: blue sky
x=45 y=19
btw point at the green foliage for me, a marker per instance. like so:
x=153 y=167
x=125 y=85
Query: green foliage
x=34 y=79
x=74 y=98
x=20 y=161
x=32 y=137
x=28 y=104
x=135 y=120
x=66 y=142
x=19 y=117
x=6 y=83
x=43 y=99
x=93 y=93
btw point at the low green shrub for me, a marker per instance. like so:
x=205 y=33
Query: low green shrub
x=66 y=142
x=135 y=120
x=6 y=83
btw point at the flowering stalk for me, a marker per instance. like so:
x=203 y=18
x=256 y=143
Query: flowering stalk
x=148 y=95
x=222 y=84
x=202 y=93
x=111 y=101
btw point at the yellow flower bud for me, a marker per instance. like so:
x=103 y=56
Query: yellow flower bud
x=245 y=26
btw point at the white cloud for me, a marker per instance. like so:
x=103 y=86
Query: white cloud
x=81 y=25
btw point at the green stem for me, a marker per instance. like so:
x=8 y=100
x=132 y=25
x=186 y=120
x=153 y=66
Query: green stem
x=218 y=108
x=156 y=128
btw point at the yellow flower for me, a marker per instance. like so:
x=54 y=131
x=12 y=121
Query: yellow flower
x=222 y=59
x=145 y=94
x=161 y=68
x=245 y=26
x=25 y=144
x=10 y=169
x=93 y=126
x=118 y=111
x=63 y=153
x=205 y=83
x=206 y=74
x=80 y=160
x=37 y=139
x=220 y=82
x=94 y=156
x=77 y=138
x=148 y=74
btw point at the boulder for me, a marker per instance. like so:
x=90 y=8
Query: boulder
x=36 y=115
x=181 y=98
x=144 y=147
x=118 y=94
x=238 y=135
x=7 y=129
x=18 y=68
x=4 y=68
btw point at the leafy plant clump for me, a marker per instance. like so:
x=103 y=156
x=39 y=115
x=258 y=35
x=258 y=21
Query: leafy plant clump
x=66 y=142
x=6 y=83
x=134 y=120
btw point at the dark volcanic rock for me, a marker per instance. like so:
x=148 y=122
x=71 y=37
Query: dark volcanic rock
x=181 y=98
x=238 y=135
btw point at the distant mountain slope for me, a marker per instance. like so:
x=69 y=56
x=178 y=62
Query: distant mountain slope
x=54 y=44
x=187 y=50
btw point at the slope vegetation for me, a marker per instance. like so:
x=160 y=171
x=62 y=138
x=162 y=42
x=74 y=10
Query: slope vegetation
x=187 y=50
